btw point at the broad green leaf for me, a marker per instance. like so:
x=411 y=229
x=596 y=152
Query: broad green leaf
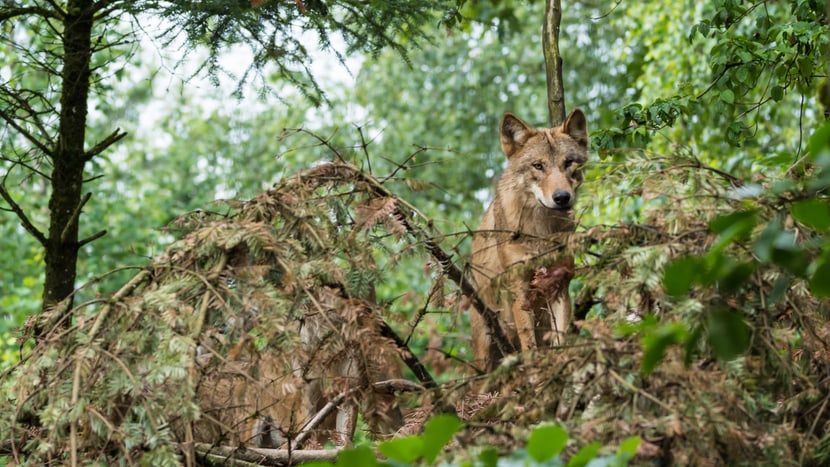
x=406 y=449
x=546 y=441
x=764 y=244
x=680 y=275
x=727 y=96
x=362 y=456
x=777 y=93
x=581 y=458
x=728 y=334
x=792 y=258
x=656 y=341
x=813 y=213
x=489 y=457
x=732 y=227
x=629 y=446
x=438 y=431
x=820 y=282
x=819 y=141
x=733 y=274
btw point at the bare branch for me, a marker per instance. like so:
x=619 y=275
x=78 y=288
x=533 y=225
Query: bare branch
x=74 y=218
x=24 y=220
x=92 y=238
x=113 y=138
x=259 y=456
x=10 y=13
x=25 y=133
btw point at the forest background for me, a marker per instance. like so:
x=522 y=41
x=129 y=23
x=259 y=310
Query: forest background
x=731 y=90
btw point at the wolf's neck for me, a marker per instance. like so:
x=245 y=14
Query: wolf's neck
x=515 y=213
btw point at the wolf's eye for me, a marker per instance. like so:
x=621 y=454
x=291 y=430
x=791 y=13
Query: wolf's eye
x=538 y=166
x=569 y=163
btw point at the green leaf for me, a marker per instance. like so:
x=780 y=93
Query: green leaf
x=585 y=455
x=406 y=449
x=727 y=96
x=657 y=341
x=813 y=213
x=741 y=222
x=732 y=274
x=357 y=456
x=680 y=275
x=438 y=431
x=489 y=457
x=790 y=256
x=728 y=334
x=732 y=227
x=764 y=244
x=819 y=141
x=629 y=447
x=777 y=93
x=546 y=441
x=820 y=282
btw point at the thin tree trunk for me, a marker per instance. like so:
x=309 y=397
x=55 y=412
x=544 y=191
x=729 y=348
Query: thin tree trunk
x=69 y=158
x=553 y=62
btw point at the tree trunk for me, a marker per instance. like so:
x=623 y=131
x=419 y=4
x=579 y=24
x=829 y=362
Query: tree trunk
x=69 y=158
x=553 y=62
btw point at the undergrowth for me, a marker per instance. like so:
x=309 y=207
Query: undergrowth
x=702 y=331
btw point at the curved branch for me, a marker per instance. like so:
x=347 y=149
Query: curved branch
x=10 y=13
x=24 y=220
x=26 y=134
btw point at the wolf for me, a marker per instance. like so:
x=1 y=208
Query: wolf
x=534 y=199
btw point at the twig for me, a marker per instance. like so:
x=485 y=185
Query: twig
x=388 y=385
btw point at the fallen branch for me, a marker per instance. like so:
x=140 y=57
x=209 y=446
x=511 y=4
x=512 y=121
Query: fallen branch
x=221 y=455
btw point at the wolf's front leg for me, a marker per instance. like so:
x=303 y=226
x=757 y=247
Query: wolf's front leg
x=524 y=317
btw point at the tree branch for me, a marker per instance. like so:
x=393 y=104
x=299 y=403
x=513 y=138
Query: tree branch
x=92 y=238
x=24 y=220
x=259 y=456
x=73 y=219
x=10 y=13
x=553 y=61
x=25 y=133
x=113 y=138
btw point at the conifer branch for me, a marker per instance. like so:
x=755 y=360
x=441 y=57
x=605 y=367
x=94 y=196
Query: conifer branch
x=24 y=219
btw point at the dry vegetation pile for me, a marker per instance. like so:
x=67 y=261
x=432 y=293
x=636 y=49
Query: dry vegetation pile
x=204 y=343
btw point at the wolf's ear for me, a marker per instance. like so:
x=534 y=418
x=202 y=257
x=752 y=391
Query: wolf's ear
x=576 y=127
x=514 y=133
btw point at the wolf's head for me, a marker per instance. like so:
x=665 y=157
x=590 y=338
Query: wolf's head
x=547 y=161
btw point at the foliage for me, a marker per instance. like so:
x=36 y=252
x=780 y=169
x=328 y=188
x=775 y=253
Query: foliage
x=703 y=252
x=273 y=30
x=544 y=447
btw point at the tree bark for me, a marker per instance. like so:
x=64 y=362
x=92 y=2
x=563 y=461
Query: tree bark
x=553 y=62
x=69 y=158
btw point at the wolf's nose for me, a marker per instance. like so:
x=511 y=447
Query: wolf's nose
x=561 y=198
